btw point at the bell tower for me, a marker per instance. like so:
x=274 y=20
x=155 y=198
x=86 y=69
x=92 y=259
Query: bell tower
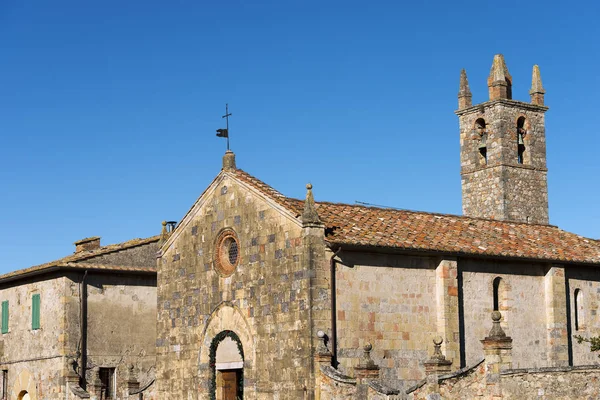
x=503 y=150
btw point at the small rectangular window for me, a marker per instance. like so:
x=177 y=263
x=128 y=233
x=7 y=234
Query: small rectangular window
x=107 y=379
x=4 y=384
x=5 y=316
x=35 y=312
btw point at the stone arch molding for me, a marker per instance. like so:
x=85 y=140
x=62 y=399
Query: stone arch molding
x=226 y=316
x=24 y=387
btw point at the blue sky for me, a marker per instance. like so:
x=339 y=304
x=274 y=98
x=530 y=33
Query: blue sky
x=108 y=109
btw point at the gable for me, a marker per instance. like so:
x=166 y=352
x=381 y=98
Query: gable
x=239 y=193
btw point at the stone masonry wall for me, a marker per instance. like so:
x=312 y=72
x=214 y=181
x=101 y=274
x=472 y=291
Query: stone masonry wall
x=587 y=281
x=390 y=302
x=502 y=188
x=521 y=302
x=35 y=359
x=121 y=326
x=266 y=300
x=515 y=384
x=139 y=256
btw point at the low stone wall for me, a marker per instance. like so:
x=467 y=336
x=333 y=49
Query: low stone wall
x=581 y=382
x=331 y=384
x=541 y=383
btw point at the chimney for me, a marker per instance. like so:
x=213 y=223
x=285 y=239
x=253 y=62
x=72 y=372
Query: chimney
x=87 y=244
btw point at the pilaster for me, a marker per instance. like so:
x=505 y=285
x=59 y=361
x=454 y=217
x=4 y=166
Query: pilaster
x=446 y=288
x=556 y=316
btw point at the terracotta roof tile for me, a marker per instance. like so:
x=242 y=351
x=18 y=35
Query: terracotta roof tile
x=73 y=260
x=452 y=234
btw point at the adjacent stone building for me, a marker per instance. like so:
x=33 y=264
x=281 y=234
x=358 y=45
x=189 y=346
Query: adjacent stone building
x=95 y=308
x=249 y=276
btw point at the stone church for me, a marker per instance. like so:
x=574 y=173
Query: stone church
x=263 y=296
x=257 y=295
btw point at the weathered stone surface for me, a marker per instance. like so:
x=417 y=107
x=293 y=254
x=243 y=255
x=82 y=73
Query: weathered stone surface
x=495 y=183
x=266 y=301
x=121 y=328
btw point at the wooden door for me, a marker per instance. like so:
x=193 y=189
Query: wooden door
x=229 y=380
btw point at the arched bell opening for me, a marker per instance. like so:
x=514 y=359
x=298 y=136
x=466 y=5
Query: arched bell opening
x=481 y=134
x=227 y=366
x=521 y=134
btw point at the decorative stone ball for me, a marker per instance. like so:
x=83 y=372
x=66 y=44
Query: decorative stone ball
x=320 y=334
x=437 y=340
x=309 y=186
x=496 y=316
x=368 y=347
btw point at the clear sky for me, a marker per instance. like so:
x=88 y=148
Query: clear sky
x=108 y=109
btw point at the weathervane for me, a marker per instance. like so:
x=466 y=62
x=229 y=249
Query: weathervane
x=225 y=132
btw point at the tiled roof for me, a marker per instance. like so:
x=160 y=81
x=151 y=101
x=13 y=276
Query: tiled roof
x=357 y=225
x=74 y=260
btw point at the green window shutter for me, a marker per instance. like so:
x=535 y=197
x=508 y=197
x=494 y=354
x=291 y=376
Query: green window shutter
x=5 y=316
x=35 y=311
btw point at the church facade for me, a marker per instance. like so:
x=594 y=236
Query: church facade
x=263 y=296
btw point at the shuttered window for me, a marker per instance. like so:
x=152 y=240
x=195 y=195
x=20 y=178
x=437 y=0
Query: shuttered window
x=35 y=311
x=5 y=316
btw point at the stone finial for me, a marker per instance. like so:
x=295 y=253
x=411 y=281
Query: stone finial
x=366 y=368
x=496 y=332
x=464 y=92
x=366 y=361
x=310 y=218
x=132 y=382
x=229 y=160
x=497 y=348
x=164 y=234
x=132 y=374
x=437 y=363
x=537 y=90
x=499 y=81
x=437 y=349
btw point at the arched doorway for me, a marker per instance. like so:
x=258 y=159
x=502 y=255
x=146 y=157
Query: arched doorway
x=24 y=395
x=227 y=366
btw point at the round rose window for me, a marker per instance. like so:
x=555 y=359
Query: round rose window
x=227 y=253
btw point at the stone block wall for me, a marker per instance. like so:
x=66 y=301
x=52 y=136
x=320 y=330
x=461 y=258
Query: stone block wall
x=521 y=302
x=584 y=293
x=138 y=256
x=121 y=326
x=502 y=188
x=515 y=384
x=34 y=359
x=390 y=302
x=265 y=301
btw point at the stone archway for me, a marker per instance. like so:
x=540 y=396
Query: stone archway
x=225 y=317
x=226 y=367
x=24 y=395
x=24 y=387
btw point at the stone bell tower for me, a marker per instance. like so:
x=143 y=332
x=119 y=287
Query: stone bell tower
x=503 y=150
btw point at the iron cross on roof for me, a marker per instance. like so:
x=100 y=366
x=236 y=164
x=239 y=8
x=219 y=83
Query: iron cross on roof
x=225 y=132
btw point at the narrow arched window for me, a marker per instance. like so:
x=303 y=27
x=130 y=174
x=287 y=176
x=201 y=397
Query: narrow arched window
x=521 y=132
x=496 y=290
x=578 y=297
x=481 y=134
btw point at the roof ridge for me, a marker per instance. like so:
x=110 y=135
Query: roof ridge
x=110 y=248
x=384 y=208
